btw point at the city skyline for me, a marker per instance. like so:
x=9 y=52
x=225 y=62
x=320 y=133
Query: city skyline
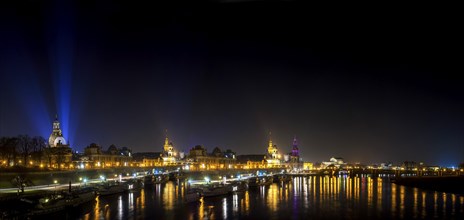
x=364 y=85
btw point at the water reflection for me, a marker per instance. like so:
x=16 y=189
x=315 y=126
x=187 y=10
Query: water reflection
x=235 y=203
x=224 y=208
x=201 y=209
x=273 y=197
x=314 y=196
x=246 y=202
x=169 y=195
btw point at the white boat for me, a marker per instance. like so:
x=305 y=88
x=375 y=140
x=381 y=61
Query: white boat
x=134 y=185
x=239 y=186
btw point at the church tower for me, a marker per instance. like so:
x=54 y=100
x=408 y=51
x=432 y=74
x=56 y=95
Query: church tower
x=295 y=151
x=272 y=149
x=295 y=155
x=56 y=137
x=168 y=148
x=169 y=154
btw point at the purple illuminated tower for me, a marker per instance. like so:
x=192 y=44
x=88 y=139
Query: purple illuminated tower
x=295 y=155
x=295 y=152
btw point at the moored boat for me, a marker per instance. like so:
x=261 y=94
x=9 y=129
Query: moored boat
x=265 y=181
x=148 y=180
x=214 y=190
x=112 y=188
x=285 y=178
x=58 y=202
x=192 y=196
x=253 y=182
x=81 y=196
x=239 y=186
x=48 y=205
x=161 y=179
x=134 y=185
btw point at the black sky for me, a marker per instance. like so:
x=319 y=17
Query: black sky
x=365 y=82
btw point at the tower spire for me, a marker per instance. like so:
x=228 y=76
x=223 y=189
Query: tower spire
x=270 y=139
x=166 y=141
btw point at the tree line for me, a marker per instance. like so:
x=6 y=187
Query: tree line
x=22 y=150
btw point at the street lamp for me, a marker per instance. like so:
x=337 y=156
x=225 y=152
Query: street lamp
x=56 y=183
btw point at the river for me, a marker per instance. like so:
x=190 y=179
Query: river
x=303 y=198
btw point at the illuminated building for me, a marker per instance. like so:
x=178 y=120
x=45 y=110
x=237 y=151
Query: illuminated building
x=409 y=165
x=253 y=161
x=95 y=157
x=56 y=138
x=334 y=162
x=169 y=154
x=148 y=159
x=295 y=154
x=58 y=154
x=273 y=157
x=307 y=166
x=294 y=162
x=199 y=159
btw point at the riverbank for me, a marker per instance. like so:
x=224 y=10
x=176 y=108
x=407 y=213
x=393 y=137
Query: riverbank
x=42 y=177
x=449 y=184
x=33 y=178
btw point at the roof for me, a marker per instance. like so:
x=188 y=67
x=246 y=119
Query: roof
x=250 y=157
x=146 y=155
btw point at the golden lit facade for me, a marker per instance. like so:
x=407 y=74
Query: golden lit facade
x=199 y=159
x=95 y=157
x=169 y=154
x=273 y=157
x=307 y=166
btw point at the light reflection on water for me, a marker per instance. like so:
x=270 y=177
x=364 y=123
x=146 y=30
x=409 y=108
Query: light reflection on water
x=273 y=197
x=169 y=195
x=305 y=197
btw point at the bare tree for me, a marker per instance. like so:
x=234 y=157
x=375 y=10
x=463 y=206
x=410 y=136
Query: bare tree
x=38 y=146
x=3 y=142
x=8 y=150
x=25 y=147
x=61 y=154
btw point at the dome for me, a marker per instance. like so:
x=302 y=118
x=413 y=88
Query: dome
x=112 y=149
x=56 y=137
x=59 y=140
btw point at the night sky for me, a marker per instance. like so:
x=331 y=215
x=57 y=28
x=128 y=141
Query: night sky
x=369 y=85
